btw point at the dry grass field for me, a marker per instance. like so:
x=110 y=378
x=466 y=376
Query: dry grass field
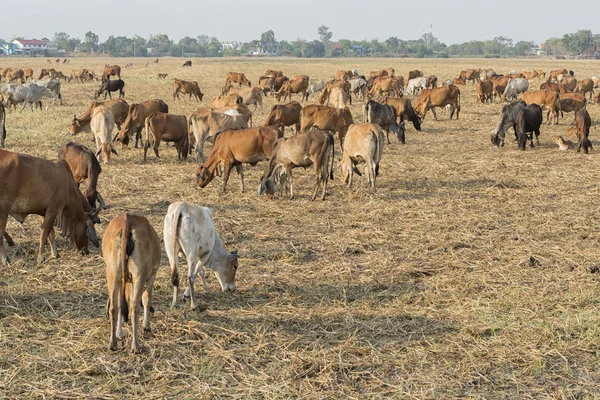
x=471 y=272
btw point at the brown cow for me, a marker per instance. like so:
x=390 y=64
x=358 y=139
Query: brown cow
x=326 y=118
x=119 y=109
x=234 y=147
x=17 y=74
x=570 y=82
x=206 y=124
x=583 y=122
x=314 y=147
x=530 y=75
x=540 y=73
x=386 y=84
x=499 y=83
x=187 y=87
x=162 y=76
x=439 y=97
x=415 y=73
x=271 y=73
x=364 y=143
x=229 y=100
x=28 y=74
x=3 y=124
x=516 y=75
x=584 y=86
x=266 y=83
x=342 y=93
x=546 y=99
x=169 y=128
x=249 y=95
x=377 y=74
x=283 y=115
x=570 y=102
x=555 y=73
x=111 y=70
x=84 y=166
x=484 y=90
x=131 y=250
x=341 y=75
x=32 y=185
x=404 y=111
x=136 y=118
x=470 y=74
x=237 y=77
x=557 y=87
x=298 y=85
x=596 y=98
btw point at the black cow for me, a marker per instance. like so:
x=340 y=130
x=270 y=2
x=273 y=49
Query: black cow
x=528 y=122
x=111 y=86
x=508 y=118
x=188 y=63
x=384 y=115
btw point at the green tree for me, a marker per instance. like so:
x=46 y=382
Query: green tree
x=313 y=49
x=160 y=44
x=62 y=40
x=523 y=48
x=90 y=42
x=577 y=42
x=267 y=38
x=325 y=35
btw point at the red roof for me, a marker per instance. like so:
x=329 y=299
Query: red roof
x=30 y=42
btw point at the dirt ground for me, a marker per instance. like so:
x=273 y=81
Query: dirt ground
x=470 y=272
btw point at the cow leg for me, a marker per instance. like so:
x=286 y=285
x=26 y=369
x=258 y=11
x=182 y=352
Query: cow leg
x=134 y=310
x=114 y=312
x=288 y=171
x=156 y=144
x=138 y=136
x=240 y=171
x=194 y=263
x=318 y=178
x=3 y=221
x=9 y=240
x=202 y=272
x=147 y=300
x=46 y=228
x=227 y=168
x=387 y=133
x=435 y=115
x=52 y=241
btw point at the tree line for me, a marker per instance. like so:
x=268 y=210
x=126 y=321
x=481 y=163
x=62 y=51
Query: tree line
x=580 y=42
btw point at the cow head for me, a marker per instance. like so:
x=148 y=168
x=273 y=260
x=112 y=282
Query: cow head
x=204 y=176
x=75 y=127
x=497 y=141
x=226 y=270
x=82 y=230
x=400 y=132
x=122 y=137
x=523 y=140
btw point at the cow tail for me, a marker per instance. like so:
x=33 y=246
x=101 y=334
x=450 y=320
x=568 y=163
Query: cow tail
x=149 y=132
x=331 y=143
x=175 y=236
x=367 y=112
x=379 y=138
x=127 y=247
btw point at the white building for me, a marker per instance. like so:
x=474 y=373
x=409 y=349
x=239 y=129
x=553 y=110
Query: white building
x=27 y=46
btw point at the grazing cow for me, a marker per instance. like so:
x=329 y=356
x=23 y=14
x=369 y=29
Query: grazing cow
x=234 y=147
x=583 y=122
x=283 y=115
x=432 y=82
x=530 y=75
x=358 y=87
x=32 y=185
x=236 y=108
x=206 y=124
x=168 y=128
x=554 y=74
x=187 y=87
x=508 y=117
x=499 y=83
x=415 y=85
x=16 y=75
x=339 y=97
x=563 y=144
x=266 y=83
x=341 y=76
x=45 y=73
x=384 y=115
x=58 y=75
x=570 y=102
x=314 y=147
x=237 y=77
x=109 y=86
x=131 y=250
x=315 y=87
x=29 y=93
x=188 y=63
x=279 y=81
x=404 y=111
x=28 y=74
x=298 y=85
x=342 y=85
x=584 y=86
x=364 y=143
x=229 y=100
x=84 y=166
x=119 y=109
x=487 y=74
x=541 y=74
x=136 y=119
x=111 y=70
x=2 y=125
x=250 y=95
x=548 y=99
x=570 y=82
x=386 y=84
x=102 y=125
x=528 y=122
x=271 y=73
x=514 y=87
x=484 y=90
x=439 y=97
x=162 y=76
x=470 y=75
x=557 y=87
x=326 y=118
x=189 y=229
x=53 y=86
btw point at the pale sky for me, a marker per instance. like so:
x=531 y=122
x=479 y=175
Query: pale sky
x=244 y=20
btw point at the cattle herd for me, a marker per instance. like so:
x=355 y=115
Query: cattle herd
x=131 y=248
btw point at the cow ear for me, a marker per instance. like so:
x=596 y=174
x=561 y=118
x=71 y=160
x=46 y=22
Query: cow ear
x=91 y=234
x=233 y=256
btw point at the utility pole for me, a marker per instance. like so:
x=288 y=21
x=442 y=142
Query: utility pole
x=134 y=48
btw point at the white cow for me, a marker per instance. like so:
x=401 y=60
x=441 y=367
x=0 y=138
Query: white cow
x=358 y=87
x=315 y=87
x=53 y=86
x=514 y=87
x=189 y=228
x=415 y=85
x=102 y=125
x=28 y=93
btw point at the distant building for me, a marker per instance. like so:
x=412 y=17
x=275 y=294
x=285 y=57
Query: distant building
x=27 y=46
x=7 y=48
x=228 y=46
x=538 y=51
x=337 y=49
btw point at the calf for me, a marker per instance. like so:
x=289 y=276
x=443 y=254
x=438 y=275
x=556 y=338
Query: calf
x=131 y=251
x=109 y=86
x=364 y=143
x=528 y=121
x=189 y=229
x=563 y=144
x=84 y=166
x=187 y=63
x=283 y=115
x=136 y=118
x=583 y=122
x=206 y=124
x=102 y=125
x=162 y=76
x=187 y=87
x=484 y=90
x=168 y=128
x=508 y=117
x=385 y=116
x=234 y=147
x=314 y=147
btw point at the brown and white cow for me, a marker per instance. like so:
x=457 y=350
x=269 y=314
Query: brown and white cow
x=189 y=229
x=119 y=108
x=206 y=124
x=168 y=128
x=131 y=251
x=102 y=125
x=234 y=147
x=187 y=87
x=249 y=95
